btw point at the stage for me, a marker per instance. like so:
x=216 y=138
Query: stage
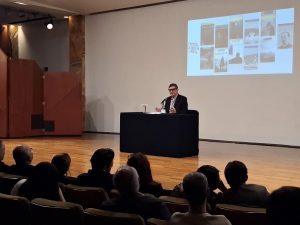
x=270 y=166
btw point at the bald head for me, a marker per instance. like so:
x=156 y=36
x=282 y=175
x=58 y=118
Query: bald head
x=195 y=187
x=22 y=155
x=126 y=180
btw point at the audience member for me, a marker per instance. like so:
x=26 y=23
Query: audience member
x=99 y=175
x=240 y=193
x=23 y=157
x=140 y=162
x=126 y=181
x=62 y=163
x=196 y=190
x=214 y=182
x=42 y=183
x=3 y=167
x=283 y=206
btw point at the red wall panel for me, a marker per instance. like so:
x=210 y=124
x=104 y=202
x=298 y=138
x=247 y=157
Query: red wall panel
x=3 y=95
x=63 y=104
x=25 y=94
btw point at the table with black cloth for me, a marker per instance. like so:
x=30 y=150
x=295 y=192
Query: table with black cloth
x=172 y=135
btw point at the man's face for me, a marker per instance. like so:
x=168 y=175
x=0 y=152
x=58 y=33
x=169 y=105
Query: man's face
x=173 y=91
x=285 y=38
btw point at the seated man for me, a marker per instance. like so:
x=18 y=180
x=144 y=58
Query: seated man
x=283 y=206
x=99 y=175
x=3 y=167
x=126 y=181
x=23 y=157
x=240 y=193
x=175 y=103
x=214 y=182
x=196 y=190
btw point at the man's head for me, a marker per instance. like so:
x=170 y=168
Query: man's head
x=22 y=155
x=126 y=180
x=62 y=163
x=236 y=173
x=102 y=160
x=283 y=206
x=173 y=89
x=285 y=38
x=196 y=190
x=2 y=150
x=212 y=175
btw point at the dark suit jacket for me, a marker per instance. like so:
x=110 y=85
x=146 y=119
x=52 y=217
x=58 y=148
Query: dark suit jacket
x=144 y=205
x=246 y=195
x=180 y=105
x=96 y=179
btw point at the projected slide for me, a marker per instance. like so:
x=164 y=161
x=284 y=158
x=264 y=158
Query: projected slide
x=253 y=43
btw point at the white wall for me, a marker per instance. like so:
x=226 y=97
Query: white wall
x=132 y=56
x=49 y=48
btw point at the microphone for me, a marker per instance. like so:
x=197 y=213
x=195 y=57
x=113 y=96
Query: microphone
x=163 y=105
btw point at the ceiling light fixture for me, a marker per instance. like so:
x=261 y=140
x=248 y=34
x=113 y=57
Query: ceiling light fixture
x=49 y=24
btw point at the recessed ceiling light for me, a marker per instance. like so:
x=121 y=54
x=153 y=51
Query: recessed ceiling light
x=20 y=3
x=66 y=17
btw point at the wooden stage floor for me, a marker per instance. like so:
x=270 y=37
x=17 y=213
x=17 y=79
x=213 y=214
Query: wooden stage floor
x=270 y=166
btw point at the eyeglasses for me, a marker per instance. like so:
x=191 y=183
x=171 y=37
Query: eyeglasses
x=172 y=89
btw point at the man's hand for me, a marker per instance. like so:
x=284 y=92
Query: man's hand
x=157 y=109
x=172 y=110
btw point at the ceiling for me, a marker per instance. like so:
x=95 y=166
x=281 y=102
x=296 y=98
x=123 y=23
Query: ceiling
x=10 y=12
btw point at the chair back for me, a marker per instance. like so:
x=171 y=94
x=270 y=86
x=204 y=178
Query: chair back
x=8 y=181
x=49 y=212
x=154 y=221
x=103 y=217
x=14 y=210
x=240 y=215
x=175 y=204
x=87 y=197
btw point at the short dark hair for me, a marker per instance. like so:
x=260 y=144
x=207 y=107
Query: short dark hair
x=212 y=175
x=173 y=85
x=42 y=183
x=62 y=163
x=283 y=206
x=195 y=187
x=22 y=154
x=236 y=173
x=102 y=158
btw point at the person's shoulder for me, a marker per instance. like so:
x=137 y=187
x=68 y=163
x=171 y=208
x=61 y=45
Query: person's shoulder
x=177 y=215
x=182 y=96
x=218 y=219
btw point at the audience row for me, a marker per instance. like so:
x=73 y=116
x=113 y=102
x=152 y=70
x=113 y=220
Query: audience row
x=132 y=183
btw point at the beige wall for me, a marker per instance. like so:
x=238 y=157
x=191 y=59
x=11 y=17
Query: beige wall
x=132 y=56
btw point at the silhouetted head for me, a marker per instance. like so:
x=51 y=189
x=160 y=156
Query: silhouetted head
x=102 y=160
x=283 y=206
x=2 y=150
x=236 y=173
x=42 y=183
x=140 y=162
x=22 y=155
x=126 y=180
x=62 y=163
x=196 y=190
x=212 y=175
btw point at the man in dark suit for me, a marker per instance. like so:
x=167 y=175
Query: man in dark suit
x=240 y=193
x=175 y=103
x=126 y=181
